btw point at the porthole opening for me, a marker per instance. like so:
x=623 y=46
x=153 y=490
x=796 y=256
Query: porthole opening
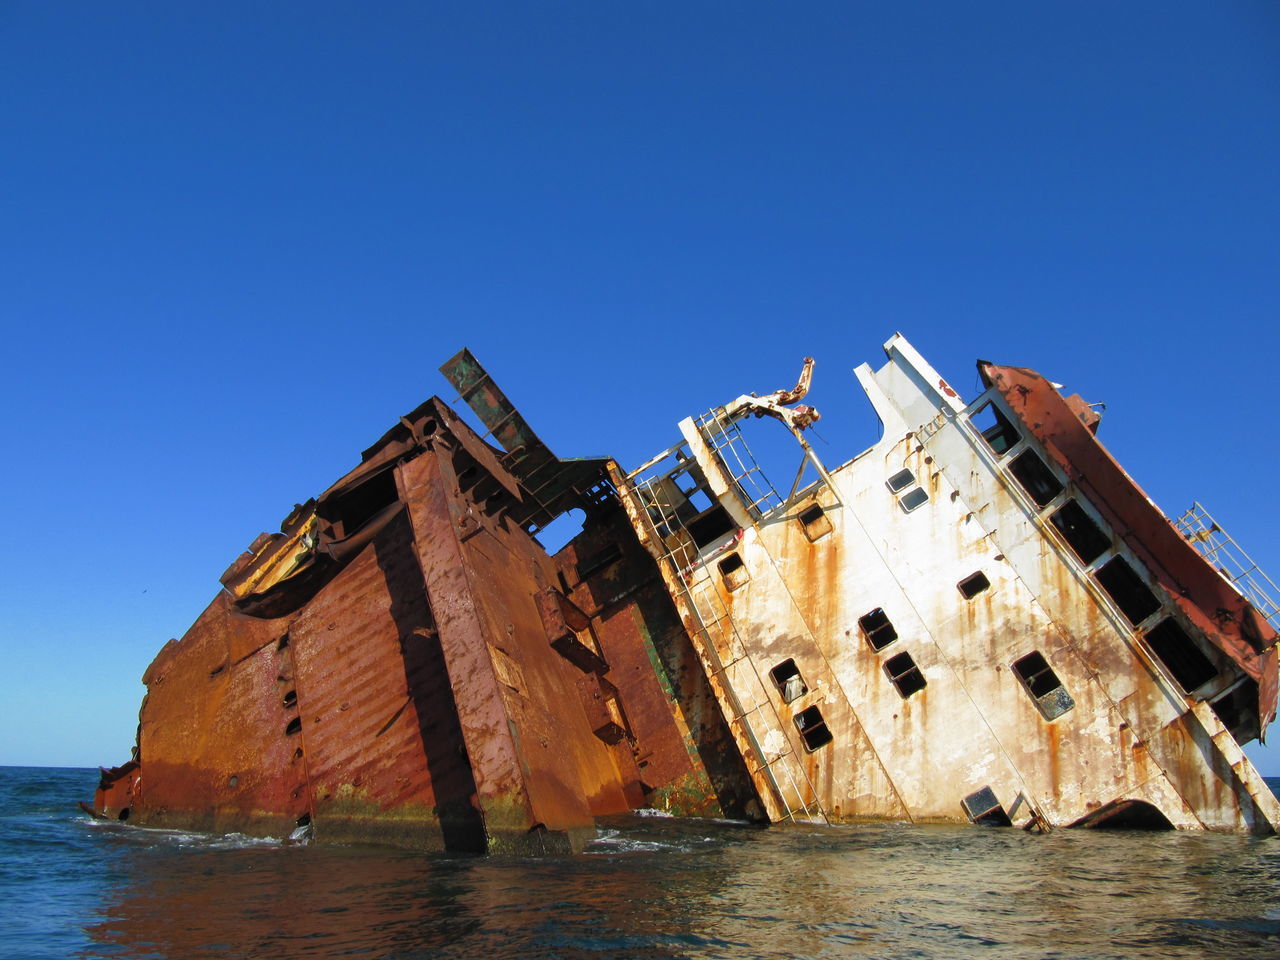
x=733 y=570
x=877 y=628
x=815 y=522
x=1083 y=536
x=1041 y=483
x=813 y=729
x=904 y=674
x=1047 y=692
x=786 y=677
x=913 y=499
x=999 y=433
x=973 y=585
x=982 y=807
x=900 y=480
x=1129 y=591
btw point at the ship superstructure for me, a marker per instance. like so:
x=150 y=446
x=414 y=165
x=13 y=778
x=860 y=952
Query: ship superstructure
x=980 y=618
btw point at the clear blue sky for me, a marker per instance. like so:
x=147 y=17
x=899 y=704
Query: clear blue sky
x=237 y=239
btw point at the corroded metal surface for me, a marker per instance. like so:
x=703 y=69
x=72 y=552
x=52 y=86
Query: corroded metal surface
x=404 y=663
x=979 y=618
x=1217 y=609
x=912 y=637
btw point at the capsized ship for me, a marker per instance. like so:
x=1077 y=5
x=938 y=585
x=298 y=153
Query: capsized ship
x=981 y=618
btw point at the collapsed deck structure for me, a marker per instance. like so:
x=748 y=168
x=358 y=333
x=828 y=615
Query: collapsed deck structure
x=980 y=618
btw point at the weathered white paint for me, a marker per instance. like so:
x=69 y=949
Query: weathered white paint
x=1132 y=734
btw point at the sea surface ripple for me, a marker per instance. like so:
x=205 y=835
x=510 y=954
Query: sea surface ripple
x=648 y=887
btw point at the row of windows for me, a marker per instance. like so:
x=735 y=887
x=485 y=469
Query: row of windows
x=901 y=669
x=1089 y=542
x=1033 y=672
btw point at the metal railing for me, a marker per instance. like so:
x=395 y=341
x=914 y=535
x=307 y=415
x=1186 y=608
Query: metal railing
x=726 y=440
x=659 y=493
x=1226 y=556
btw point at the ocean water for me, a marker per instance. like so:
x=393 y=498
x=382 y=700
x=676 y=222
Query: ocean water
x=649 y=887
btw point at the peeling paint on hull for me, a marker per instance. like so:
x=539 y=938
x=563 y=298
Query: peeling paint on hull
x=979 y=618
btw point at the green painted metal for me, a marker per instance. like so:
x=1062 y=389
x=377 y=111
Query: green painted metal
x=552 y=485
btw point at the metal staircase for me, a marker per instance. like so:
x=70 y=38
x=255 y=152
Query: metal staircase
x=690 y=567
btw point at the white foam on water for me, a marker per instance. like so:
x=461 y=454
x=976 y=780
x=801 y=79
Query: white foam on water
x=188 y=838
x=230 y=841
x=613 y=842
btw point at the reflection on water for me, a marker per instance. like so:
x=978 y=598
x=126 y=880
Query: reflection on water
x=667 y=888
x=648 y=888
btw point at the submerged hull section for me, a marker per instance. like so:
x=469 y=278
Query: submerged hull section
x=434 y=679
x=962 y=622
x=980 y=618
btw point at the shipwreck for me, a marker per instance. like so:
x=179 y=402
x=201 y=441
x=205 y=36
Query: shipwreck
x=981 y=618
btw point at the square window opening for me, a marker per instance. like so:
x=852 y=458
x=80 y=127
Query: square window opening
x=699 y=499
x=982 y=807
x=901 y=480
x=786 y=677
x=734 y=571
x=706 y=528
x=1049 y=695
x=1034 y=671
x=913 y=498
x=1129 y=591
x=974 y=584
x=354 y=508
x=815 y=522
x=813 y=729
x=1238 y=711
x=598 y=562
x=1041 y=483
x=878 y=629
x=904 y=673
x=1083 y=536
x=1177 y=651
x=995 y=428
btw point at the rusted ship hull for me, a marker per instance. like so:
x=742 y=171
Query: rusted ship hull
x=965 y=622
x=406 y=664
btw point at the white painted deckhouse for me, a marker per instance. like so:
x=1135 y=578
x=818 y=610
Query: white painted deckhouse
x=981 y=617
